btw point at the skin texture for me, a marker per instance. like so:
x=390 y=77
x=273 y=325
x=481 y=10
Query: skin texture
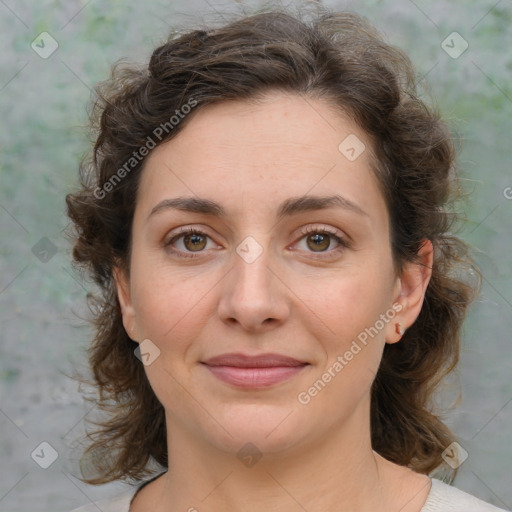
x=295 y=299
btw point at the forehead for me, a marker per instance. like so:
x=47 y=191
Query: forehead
x=275 y=119
x=263 y=151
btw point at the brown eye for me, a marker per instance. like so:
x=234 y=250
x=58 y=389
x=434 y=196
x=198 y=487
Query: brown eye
x=194 y=241
x=187 y=242
x=319 y=241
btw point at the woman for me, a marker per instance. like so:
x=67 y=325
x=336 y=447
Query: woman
x=266 y=215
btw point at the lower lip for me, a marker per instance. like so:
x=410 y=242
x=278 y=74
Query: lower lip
x=251 y=378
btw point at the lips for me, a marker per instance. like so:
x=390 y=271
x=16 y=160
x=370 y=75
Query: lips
x=252 y=372
x=258 y=361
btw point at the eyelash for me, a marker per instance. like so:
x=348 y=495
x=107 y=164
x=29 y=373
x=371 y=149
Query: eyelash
x=343 y=243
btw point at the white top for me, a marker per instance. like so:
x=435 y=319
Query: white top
x=441 y=498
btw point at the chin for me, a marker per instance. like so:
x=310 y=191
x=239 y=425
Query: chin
x=271 y=429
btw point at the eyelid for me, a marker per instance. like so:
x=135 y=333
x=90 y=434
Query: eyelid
x=318 y=228
x=183 y=230
x=344 y=241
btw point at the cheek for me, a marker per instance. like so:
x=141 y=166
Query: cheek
x=168 y=315
x=172 y=307
x=349 y=323
x=350 y=302
x=172 y=316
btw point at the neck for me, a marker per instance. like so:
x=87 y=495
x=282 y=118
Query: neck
x=340 y=471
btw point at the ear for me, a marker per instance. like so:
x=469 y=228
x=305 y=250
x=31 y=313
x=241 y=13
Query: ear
x=410 y=291
x=122 y=283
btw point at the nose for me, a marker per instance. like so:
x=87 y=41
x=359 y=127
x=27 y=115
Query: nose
x=254 y=296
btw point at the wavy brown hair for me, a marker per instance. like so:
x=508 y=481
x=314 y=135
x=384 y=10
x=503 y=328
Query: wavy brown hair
x=338 y=57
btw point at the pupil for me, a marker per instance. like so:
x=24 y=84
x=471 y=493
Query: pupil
x=318 y=239
x=195 y=239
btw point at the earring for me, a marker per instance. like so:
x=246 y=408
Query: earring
x=398 y=329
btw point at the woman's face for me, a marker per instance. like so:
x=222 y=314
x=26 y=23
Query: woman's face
x=274 y=273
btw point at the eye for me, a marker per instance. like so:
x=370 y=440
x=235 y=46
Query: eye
x=194 y=240
x=320 y=239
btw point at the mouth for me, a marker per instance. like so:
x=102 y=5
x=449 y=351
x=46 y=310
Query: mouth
x=252 y=372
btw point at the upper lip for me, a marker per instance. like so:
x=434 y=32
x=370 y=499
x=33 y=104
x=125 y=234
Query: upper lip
x=257 y=361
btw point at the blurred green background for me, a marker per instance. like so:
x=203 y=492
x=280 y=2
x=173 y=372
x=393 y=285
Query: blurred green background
x=43 y=111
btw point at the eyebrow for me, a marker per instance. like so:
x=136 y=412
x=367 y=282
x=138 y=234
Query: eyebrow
x=291 y=206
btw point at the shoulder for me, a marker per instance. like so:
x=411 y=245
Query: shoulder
x=445 y=498
x=119 y=503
